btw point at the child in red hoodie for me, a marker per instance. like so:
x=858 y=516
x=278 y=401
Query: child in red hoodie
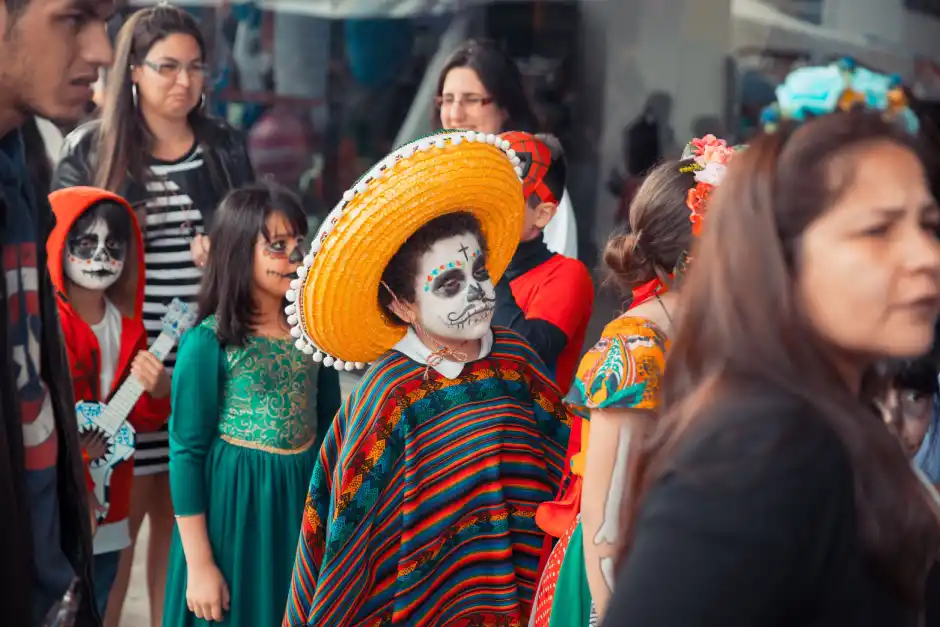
x=96 y=264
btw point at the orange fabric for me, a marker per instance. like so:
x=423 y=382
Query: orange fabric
x=81 y=344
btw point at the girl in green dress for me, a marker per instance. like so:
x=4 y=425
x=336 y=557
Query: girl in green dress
x=249 y=412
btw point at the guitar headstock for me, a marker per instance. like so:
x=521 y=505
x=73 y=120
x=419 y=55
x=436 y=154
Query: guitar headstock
x=179 y=317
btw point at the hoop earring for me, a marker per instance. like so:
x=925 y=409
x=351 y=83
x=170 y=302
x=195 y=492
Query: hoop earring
x=134 y=94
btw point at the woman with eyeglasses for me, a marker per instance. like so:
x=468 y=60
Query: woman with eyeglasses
x=480 y=89
x=155 y=146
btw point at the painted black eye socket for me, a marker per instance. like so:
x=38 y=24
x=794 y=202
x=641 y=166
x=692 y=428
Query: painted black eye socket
x=83 y=246
x=448 y=284
x=480 y=273
x=116 y=248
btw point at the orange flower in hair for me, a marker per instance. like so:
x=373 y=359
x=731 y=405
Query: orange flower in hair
x=696 y=201
x=711 y=157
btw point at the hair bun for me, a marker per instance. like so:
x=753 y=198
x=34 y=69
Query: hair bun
x=627 y=261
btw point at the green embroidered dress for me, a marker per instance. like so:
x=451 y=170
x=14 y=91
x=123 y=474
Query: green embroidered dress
x=245 y=431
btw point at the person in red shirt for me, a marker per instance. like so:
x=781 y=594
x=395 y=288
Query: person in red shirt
x=546 y=297
x=96 y=263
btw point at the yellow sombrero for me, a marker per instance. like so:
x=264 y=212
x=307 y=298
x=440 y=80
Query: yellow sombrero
x=334 y=309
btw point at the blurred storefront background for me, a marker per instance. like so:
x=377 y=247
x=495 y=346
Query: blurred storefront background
x=324 y=88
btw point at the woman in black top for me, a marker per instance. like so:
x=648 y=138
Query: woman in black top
x=155 y=146
x=772 y=494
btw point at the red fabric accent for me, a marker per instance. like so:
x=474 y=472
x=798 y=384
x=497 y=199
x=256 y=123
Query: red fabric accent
x=647 y=291
x=559 y=291
x=545 y=596
x=89 y=482
x=82 y=345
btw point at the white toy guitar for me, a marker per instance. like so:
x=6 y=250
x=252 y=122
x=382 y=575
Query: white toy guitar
x=109 y=422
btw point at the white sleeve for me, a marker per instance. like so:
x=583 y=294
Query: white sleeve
x=561 y=234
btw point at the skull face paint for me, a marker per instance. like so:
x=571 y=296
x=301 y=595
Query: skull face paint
x=455 y=296
x=277 y=258
x=95 y=257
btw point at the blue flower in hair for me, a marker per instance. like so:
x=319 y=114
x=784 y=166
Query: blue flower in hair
x=873 y=87
x=814 y=91
x=811 y=91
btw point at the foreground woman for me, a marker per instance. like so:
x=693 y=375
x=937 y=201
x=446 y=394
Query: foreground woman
x=422 y=505
x=774 y=494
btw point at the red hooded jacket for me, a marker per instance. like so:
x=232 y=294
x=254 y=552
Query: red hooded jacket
x=127 y=294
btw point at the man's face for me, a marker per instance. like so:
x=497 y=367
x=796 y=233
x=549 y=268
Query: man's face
x=50 y=53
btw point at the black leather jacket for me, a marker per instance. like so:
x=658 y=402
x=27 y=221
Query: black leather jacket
x=223 y=148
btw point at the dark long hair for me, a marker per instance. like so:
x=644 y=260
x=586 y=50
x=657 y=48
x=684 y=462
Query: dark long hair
x=227 y=285
x=124 y=142
x=741 y=319
x=501 y=77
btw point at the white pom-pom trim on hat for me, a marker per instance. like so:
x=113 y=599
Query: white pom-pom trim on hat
x=380 y=170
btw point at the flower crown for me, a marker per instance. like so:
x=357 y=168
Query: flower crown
x=710 y=157
x=809 y=92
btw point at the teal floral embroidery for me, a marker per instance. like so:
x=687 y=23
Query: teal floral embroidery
x=269 y=393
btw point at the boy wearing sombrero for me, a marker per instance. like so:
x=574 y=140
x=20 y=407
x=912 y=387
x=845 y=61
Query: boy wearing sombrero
x=547 y=298
x=421 y=509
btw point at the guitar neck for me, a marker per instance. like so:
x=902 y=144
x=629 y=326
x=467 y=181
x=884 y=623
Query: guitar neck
x=123 y=401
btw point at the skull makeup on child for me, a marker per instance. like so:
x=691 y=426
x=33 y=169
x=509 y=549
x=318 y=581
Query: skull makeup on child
x=97 y=246
x=441 y=280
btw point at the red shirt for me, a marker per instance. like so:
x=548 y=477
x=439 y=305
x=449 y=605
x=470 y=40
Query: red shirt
x=560 y=292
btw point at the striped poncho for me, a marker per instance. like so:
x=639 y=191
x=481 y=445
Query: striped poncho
x=421 y=509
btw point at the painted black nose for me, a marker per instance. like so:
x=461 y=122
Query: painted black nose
x=102 y=256
x=474 y=292
x=297 y=255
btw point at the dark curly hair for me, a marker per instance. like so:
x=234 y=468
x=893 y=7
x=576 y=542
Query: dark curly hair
x=400 y=273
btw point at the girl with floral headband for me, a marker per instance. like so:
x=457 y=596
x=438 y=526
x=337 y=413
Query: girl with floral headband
x=616 y=393
x=421 y=510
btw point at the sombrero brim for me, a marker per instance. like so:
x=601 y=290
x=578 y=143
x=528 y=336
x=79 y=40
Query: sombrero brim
x=336 y=308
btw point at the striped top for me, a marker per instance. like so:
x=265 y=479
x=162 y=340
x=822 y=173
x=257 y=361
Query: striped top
x=173 y=217
x=421 y=509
